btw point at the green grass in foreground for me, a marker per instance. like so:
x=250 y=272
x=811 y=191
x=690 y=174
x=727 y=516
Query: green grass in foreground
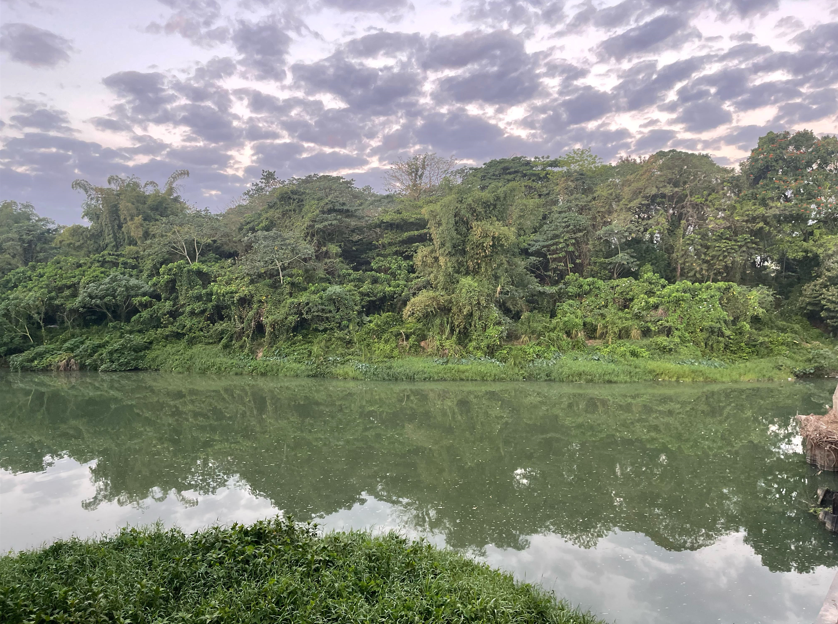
x=181 y=358
x=272 y=571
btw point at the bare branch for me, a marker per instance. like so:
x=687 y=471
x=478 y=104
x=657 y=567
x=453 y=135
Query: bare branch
x=419 y=175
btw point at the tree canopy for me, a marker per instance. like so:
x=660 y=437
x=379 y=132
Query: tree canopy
x=519 y=254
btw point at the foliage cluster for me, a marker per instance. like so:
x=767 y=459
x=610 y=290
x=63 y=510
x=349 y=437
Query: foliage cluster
x=273 y=571
x=670 y=256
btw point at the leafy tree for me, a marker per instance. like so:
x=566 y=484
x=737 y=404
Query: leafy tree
x=473 y=234
x=116 y=295
x=533 y=174
x=24 y=236
x=263 y=186
x=188 y=234
x=794 y=179
x=623 y=259
x=328 y=211
x=122 y=213
x=23 y=310
x=671 y=196
x=75 y=240
x=560 y=239
x=275 y=250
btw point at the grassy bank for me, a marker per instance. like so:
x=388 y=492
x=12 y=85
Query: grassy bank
x=271 y=571
x=573 y=367
x=579 y=366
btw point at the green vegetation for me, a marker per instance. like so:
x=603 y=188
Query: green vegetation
x=669 y=267
x=272 y=571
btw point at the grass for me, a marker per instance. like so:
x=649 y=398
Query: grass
x=272 y=571
x=181 y=358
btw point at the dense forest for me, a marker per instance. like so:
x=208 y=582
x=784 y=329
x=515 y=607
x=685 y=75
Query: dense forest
x=520 y=263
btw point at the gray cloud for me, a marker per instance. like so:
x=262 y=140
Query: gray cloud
x=495 y=67
x=744 y=52
x=816 y=105
x=326 y=162
x=383 y=43
x=40 y=167
x=34 y=46
x=203 y=86
x=110 y=124
x=255 y=130
x=368 y=6
x=814 y=65
x=199 y=157
x=702 y=115
x=34 y=116
x=605 y=142
x=369 y=89
x=512 y=13
x=749 y=8
x=198 y=103
x=586 y=106
x=193 y=20
x=726 y=84
x=649 y=37
x=654 y=141
x=275 y=156
x=382 y=94
x=263 y=47
x=208 y=123
x=745 y=137
x=145 y=96
x=645 y=85
x=334 y=128
x=788 y=24
x=766 y=93
x=468 y=137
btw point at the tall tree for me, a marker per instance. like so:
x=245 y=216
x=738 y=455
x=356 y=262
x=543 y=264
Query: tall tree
x=671 y=196
x=122 y=213
x=24 y=236
x=560 y=239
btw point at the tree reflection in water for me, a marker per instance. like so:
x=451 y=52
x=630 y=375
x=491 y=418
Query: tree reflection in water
x=482 y=464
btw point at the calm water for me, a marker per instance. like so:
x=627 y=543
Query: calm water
x=644 y=503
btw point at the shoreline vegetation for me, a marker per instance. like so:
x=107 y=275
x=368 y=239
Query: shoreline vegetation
x=668 y=267
x=575 y=366
x=274 y=570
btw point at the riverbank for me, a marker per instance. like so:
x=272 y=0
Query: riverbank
x=273 y=570
x=592 y=365
x=574 y=367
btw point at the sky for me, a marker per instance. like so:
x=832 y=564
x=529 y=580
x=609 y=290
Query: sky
x=226 y=89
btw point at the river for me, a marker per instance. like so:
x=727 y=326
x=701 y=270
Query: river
x=641 y=502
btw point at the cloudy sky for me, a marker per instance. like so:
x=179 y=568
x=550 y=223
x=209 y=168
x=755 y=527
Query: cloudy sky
x=226 y=88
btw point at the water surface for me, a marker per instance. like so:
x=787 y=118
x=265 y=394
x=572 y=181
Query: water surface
x=644 y=503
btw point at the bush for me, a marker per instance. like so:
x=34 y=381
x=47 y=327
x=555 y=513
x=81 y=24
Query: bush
x=40 y=358
x=124 y=354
